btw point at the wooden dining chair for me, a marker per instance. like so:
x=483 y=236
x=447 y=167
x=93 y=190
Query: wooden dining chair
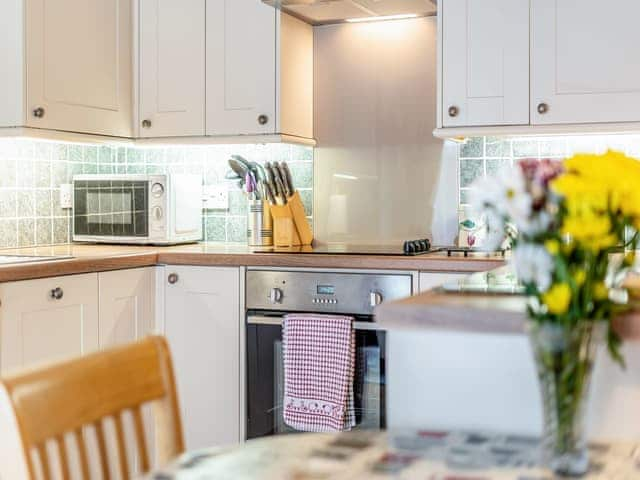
x=57 y=404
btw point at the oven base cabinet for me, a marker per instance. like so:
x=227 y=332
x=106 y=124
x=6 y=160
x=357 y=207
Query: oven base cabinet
x=202 y=325
x=35 y=327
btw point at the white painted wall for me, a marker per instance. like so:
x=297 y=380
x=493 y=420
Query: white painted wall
x=380 y=176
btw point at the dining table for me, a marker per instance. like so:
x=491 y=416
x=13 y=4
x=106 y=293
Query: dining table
x=411 y=454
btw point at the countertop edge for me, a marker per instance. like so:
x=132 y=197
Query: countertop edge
x=104 y=260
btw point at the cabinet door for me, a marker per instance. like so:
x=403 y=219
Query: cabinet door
x=202 y=325
x=78 y=57
x=172 y=68
x=584 y=61
x=37 y=327
x=485 y=62
x=432 y=280
x=241 y=67
x=126 y=305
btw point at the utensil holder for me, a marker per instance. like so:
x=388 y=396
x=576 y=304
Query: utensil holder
x=259 y=224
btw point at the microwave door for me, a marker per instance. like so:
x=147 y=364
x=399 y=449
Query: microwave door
x=105 y=208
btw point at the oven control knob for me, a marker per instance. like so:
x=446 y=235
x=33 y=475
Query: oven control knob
x=275 y=295
x=375 y=299
x=157 y=190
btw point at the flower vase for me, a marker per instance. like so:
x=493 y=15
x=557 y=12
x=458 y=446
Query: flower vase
x=564 y=357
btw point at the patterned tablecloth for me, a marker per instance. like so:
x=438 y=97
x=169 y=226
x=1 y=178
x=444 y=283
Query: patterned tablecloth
x=408 y=455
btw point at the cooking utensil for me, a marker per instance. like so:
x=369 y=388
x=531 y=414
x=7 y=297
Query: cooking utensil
x=238 y=167
x=288 y=177
x=243 y=161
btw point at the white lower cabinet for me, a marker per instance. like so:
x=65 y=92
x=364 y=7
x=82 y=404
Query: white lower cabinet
x=430 y=280
x=202 y=325
x=126 y=305
x=48 y=319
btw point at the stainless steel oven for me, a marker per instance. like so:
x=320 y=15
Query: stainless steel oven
x=270 y=294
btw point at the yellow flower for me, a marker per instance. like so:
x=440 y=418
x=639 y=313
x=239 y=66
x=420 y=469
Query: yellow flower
x=557 y=298
x=579 y=276
x=552 y=246
x=600 y=291
x=593 y=186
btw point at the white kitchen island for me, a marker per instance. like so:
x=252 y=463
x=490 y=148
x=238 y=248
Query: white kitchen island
x=463 y=360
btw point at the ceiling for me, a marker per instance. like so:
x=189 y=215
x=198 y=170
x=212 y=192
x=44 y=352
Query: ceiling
x=321 y=12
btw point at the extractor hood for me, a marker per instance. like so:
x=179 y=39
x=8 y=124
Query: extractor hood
x=323 y=12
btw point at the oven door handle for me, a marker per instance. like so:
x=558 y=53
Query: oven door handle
x=265 y=320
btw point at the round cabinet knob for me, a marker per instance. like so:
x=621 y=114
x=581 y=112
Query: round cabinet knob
x=453 y=111
x=38 y=112
x=375 y=299
x=146 y=123
x=172 y=278
x=56 y=293
x=542 y=108
x=275 y=296
x=263 y=119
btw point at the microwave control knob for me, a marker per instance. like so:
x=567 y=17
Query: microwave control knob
x=157 y=213
x=275 y=295
x=157 y=190
x=375 y=299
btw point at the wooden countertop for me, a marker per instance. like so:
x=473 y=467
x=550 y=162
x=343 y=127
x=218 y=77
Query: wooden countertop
x=97 y=258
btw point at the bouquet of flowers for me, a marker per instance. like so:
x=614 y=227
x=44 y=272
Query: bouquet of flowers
x=564 y=220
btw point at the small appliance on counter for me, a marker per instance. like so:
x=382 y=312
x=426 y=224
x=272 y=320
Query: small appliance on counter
x=137 y=209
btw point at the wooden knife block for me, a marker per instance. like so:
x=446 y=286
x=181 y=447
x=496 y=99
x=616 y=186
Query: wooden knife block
x=290 y=225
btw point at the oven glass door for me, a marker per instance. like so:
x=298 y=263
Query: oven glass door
x=116 y=208
x=265 y=377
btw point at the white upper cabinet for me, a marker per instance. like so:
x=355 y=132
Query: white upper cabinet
x=584 y=61
x=172 y=68
x=485 y=62
x=241 y=67
x=79 y=65
x=259 y=70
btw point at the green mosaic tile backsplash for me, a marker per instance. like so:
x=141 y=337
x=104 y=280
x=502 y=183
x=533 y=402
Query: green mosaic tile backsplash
x=481 y=156
x=31 y=172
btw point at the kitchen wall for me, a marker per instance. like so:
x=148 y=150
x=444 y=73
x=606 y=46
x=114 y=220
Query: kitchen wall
x=481 y=156
x=31 y=172
x=380 y=175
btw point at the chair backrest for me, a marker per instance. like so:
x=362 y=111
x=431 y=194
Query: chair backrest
x=58 y=403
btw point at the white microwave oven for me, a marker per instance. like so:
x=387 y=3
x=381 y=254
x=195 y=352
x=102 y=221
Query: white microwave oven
x=137 y=209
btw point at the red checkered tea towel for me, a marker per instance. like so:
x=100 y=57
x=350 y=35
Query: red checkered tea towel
x=319 y=365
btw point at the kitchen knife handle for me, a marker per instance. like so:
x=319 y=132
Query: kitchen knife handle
x=289 y=178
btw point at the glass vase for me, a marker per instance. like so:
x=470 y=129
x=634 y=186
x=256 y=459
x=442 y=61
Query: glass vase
x=564 y=357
